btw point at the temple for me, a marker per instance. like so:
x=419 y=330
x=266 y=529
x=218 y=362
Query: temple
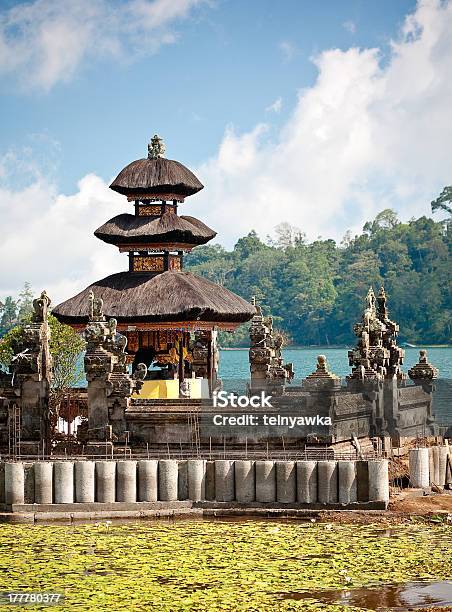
x=169 y=317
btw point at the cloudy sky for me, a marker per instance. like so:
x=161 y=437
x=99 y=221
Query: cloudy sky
x=320 y=114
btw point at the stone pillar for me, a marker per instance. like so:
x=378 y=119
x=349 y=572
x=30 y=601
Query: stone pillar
x=265 y=481
x=224 y=480
x=348 y=489
x=106 y=481
x=182 y=483
x=147 y=480
x=307 y=482
x=126 y=490
x=245 y=483
x=63 y=479
x=196 y=479
x=378 y=480
x=43 y=471
x=328 y=482
x=84 y=482
x=286 y=488
x=168 y=477
x=419 y=468
x=14 y=483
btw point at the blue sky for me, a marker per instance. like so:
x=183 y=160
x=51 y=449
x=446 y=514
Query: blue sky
x=319 y=114
x=231 y=61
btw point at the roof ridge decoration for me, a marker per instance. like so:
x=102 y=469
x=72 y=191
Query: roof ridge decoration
x=156 y=148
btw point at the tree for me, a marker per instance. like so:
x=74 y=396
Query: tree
x=66 y=348
x=9 y=315
x=25 y=302
x=441 y=201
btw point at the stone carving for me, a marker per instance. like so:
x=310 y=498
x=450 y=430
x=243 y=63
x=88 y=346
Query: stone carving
x=110 y=385
x=156 y=148
x=322 y=378
x=376 y=355
x=423 y=370
x=41 y=308
x=266 y=363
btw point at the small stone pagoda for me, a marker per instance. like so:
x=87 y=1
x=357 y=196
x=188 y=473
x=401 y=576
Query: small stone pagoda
x=170 y=317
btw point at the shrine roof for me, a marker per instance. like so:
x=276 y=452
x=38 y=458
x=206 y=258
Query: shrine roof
x=125 y=228
x=158 y=176
x=133 y=297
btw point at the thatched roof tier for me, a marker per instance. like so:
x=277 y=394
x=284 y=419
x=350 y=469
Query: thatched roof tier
x=132 y=297
x=156 y=176
x=128 y=229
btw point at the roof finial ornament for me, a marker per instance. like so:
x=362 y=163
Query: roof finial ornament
x=156 y=148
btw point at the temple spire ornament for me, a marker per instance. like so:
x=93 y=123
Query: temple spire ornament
x=156 y=148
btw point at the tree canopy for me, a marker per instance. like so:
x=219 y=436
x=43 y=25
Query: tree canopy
x=315 y=290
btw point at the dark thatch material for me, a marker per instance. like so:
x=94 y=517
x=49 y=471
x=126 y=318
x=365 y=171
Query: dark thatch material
x=126 y=229
x=133 y=297
x=158 y=175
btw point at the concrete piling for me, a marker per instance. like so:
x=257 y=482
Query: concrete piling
x=210 y=480
x=182 y=483
x=43 y=473
x=286 y=482
x=442 y=465
x=63 y=482
x=307 y=482
x=327 y=482
x=126 y=481
x=435 y=475
x=265 y=481
x=196 y=469
x=348 y=491
x=168 y=477
x=106 y=481
x=378 y=480
x=362 y=471
x=29 y=482
x=84 y=482
x=224 y=480
x=245 y=481
x=2 y=483
x=419 y=467
x=14 y=483
x=147 y=480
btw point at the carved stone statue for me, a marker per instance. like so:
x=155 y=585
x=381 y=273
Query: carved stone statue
x=96 y=306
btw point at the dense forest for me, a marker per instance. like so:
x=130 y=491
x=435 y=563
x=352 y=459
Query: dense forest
x=315 y=290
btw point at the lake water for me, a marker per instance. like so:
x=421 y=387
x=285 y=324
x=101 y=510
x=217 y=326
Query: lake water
x=234 y=370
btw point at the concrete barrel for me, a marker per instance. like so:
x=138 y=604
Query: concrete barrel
x=43 y=472
x=210 y=480
x=126 y=481
x=307 y=482
x=14 y=483
x=286 y=482
x=265 y=481
x=196 y=479
x=224 y=480
x=436 y=470
x=378 y=480
x=168 y=476
x=2 y=483
x=182 y=482
x=63 y=482
x=362 y=472
x=147 y=480
x=245 y=481
x=327 y=482
x=84 y=482
x=348 y=486
x=431 y=465
x=106 y=481
x=442 y=465
x=419 y=467
x=29 y=482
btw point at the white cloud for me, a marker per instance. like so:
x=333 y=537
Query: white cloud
x=288 y=49
x=48 y=239
x=350 y=26
x=276 y=106
x=368 y=134
x=45 y=41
